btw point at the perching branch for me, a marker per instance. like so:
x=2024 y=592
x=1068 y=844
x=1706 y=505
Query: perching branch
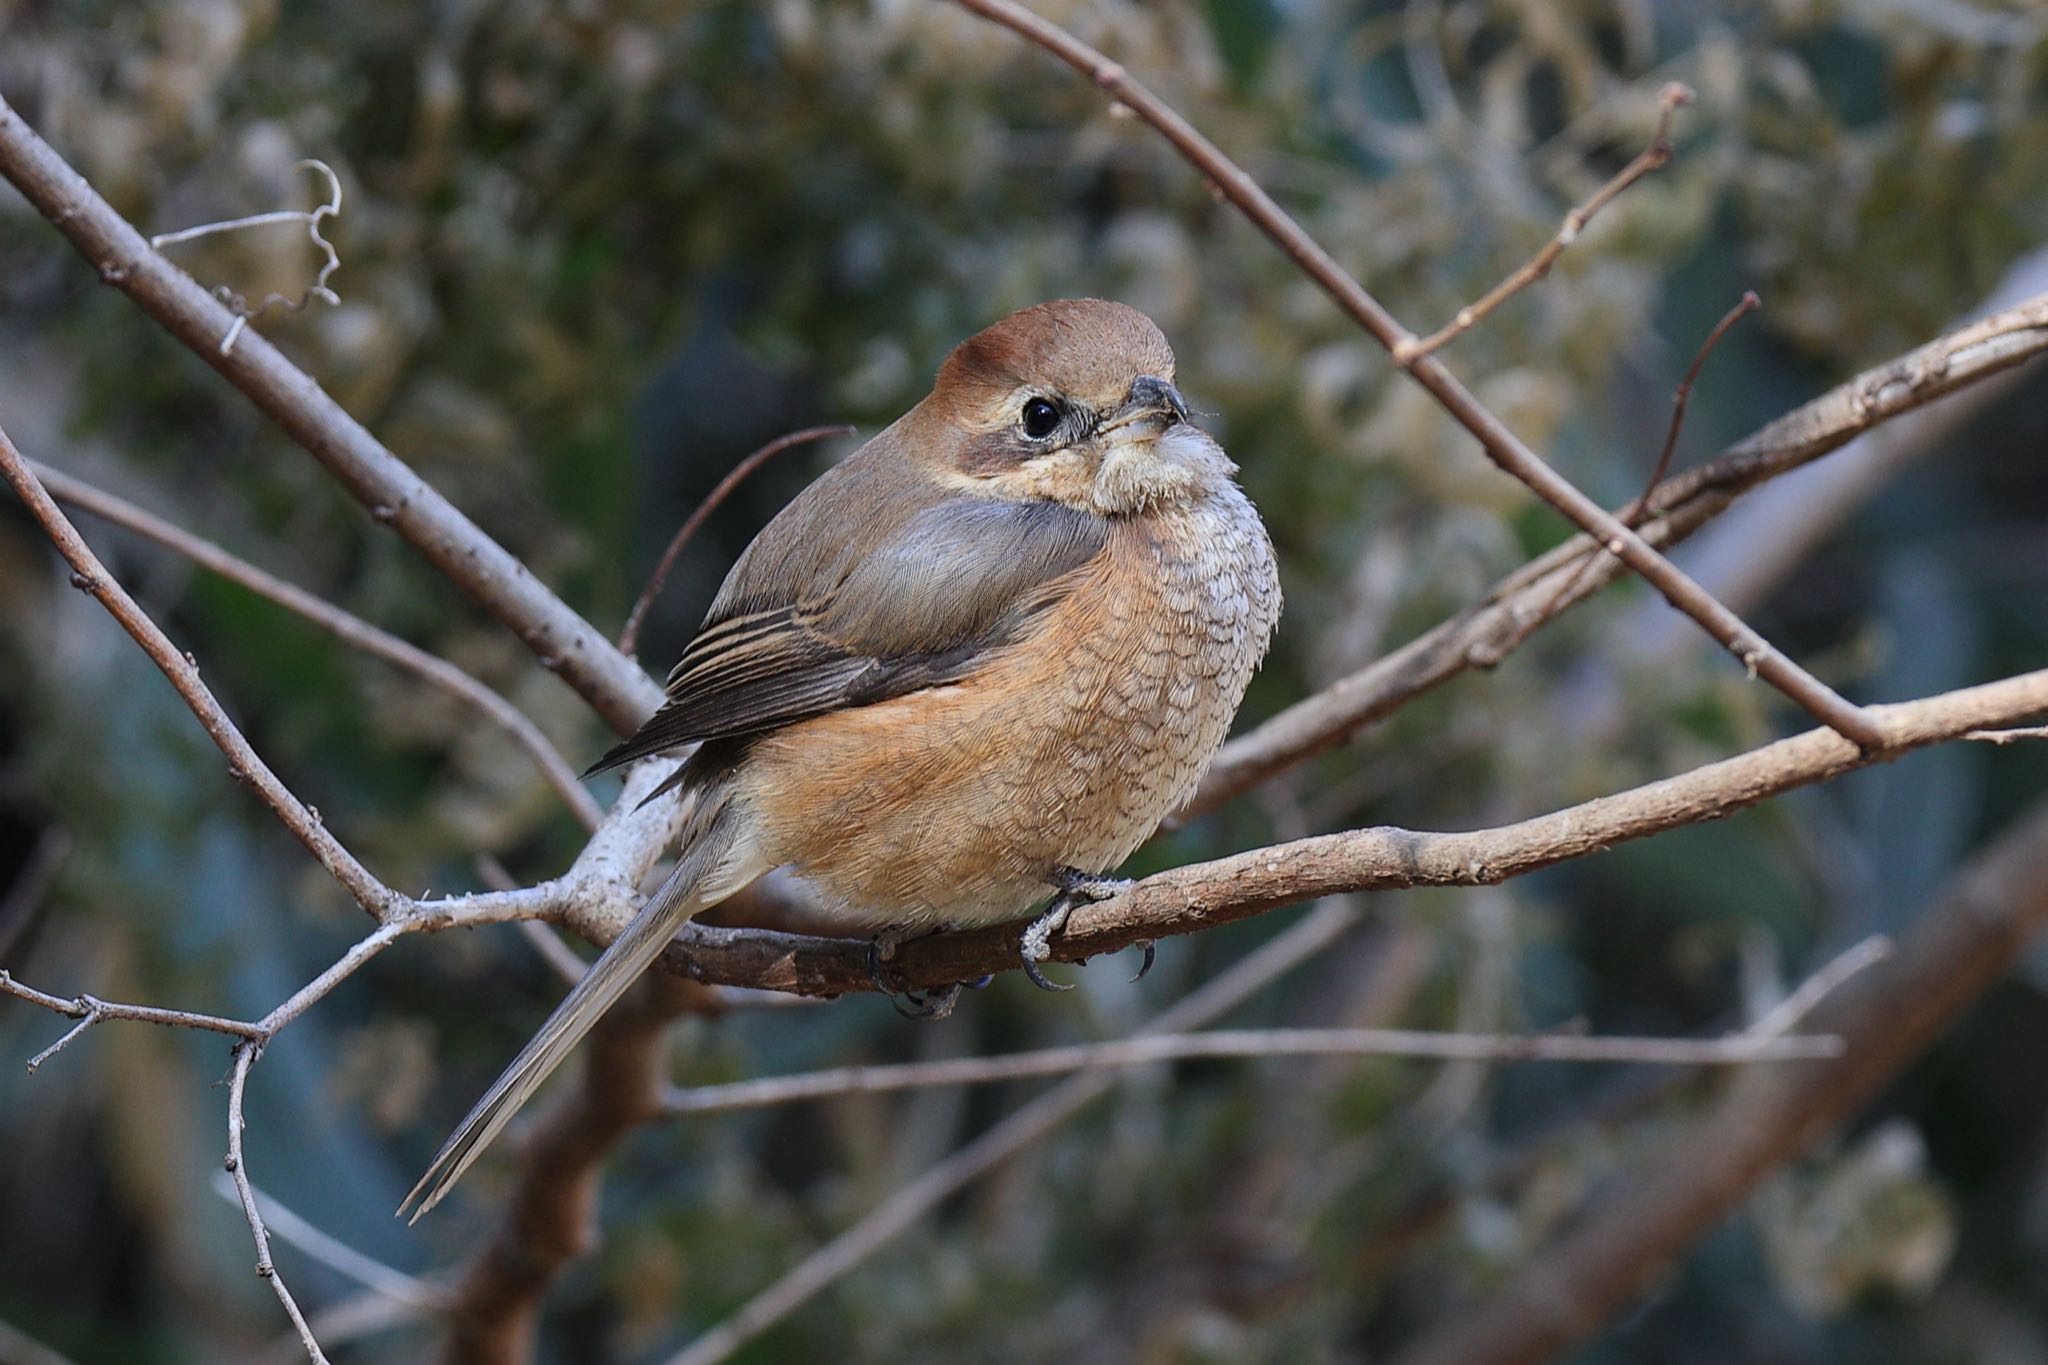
x=1201 y=895
x=1502 y=446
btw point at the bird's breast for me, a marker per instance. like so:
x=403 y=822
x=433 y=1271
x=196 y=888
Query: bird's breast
x=953 y=805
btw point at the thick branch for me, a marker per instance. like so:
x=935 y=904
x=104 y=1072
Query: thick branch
x=564 y=642
x=1501 y=445
x=1201 y=895
x=1628 y=1241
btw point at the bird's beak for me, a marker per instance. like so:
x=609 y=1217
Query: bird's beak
x=1151 y=399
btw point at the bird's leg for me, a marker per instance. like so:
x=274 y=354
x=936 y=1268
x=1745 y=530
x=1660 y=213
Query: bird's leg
x=911 y=1004
x=1075 y=888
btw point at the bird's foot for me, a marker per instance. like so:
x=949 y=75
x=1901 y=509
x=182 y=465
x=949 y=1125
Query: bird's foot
x=911 y=1004
x=1075 y=888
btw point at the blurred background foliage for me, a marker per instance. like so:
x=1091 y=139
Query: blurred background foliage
x=595 y=252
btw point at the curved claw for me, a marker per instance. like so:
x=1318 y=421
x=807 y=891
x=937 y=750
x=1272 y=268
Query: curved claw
x=931 y=1005
x=1041 y=980
x=1151 y=952
x=936 y=1004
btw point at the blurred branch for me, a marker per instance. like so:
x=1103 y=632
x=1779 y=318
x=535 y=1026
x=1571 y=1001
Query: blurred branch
x=1628 y=1240
x=550 y=1218
x=345 y=626
x=565 y=643
x=629 y=637
x=293 y=1230
x=19 y=901
x=19 y=1348
x=1501 y=445
x=1485 y=633
x=1654 y=157
x=1124 y=1053
x=1024 y=1126
x=1200 y=895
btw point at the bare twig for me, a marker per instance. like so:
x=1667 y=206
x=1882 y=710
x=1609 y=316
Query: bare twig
x=90 y=576
x=394 y=494
x=2012 y=736
x=318 y=289
x=1632 y=515
x=372 y=1274
x=91 y=1010
x=1026 y=1125
x=1258 y=1043
x=1654 y=157
x=1501 y=445
x=1681 y=396
x=343 y=625
x=1639 y=1222
x=1786 y=1014
x=1484 y=634
x=238 y=1171
x=629 y=637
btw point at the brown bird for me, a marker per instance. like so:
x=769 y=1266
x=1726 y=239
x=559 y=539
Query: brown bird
x=981 y=658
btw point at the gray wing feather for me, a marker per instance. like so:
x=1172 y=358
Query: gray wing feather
x=816 y=617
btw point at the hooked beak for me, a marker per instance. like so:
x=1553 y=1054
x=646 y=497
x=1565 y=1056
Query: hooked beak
x=1151 y=398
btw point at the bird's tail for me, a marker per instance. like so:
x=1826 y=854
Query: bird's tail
x=715 y=864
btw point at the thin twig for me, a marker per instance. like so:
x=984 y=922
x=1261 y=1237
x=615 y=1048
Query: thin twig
x=1782 y=1018
x=1653 y=157
x=91 y=1010
x=1255 y=1043
x=318 y=289
x=91 y=576
x=629 y=637
x=1681 y=396
x=1501 y=445
x=293 y=1230
x=345 y=626
x=2012 y=736
x=238 y=1171
x=1633 y=514
x=1028 y=1124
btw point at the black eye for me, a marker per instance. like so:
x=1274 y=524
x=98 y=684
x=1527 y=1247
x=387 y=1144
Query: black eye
x=1041 y=418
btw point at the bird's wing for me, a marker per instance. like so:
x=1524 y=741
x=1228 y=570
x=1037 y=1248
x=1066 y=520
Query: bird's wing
x=816 y=617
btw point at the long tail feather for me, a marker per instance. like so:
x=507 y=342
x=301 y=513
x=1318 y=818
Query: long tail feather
x=698 y=881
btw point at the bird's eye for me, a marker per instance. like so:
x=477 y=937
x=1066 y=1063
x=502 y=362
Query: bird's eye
x=1041 y=418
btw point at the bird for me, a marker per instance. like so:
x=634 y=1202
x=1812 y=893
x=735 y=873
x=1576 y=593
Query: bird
x=979 y=659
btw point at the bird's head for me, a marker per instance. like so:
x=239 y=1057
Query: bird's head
x=1070 y=401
